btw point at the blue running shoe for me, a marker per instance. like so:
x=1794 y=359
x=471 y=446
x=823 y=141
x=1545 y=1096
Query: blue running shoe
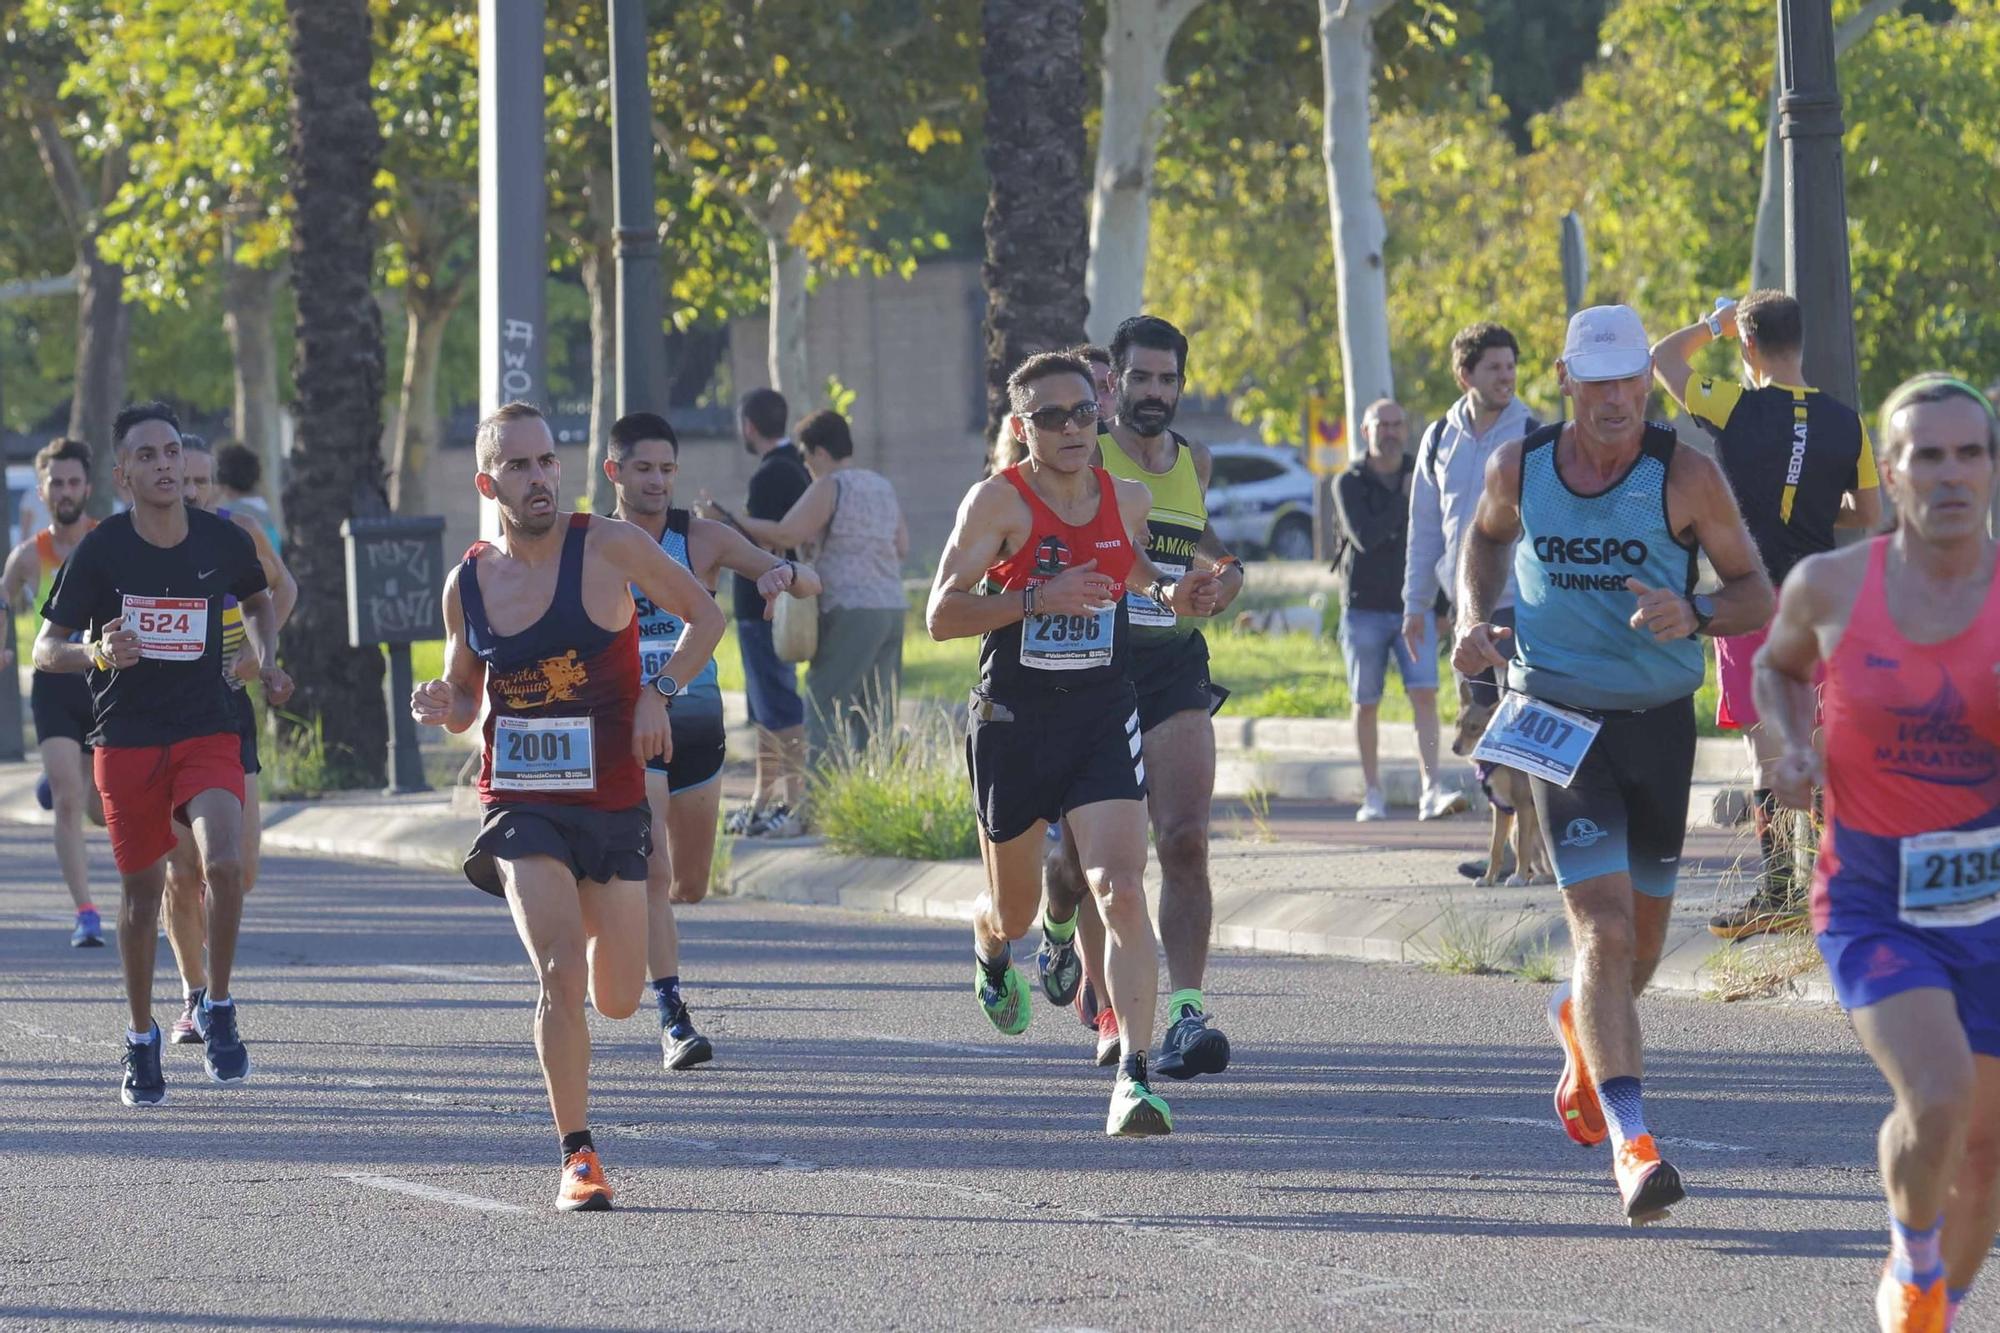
x=227 y=1059
x=1061 y=967
x=1192 y=1047
x=45 y=795
x=89 y=932
x=144 y=1084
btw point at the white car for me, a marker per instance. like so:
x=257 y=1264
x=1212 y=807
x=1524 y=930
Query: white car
x=1260 y=499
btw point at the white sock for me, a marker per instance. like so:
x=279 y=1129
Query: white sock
x=138 y=1038
x=209 y=1002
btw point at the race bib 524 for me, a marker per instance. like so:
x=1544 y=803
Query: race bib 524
x=170 y=629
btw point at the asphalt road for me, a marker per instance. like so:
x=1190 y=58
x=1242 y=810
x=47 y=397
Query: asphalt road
x=867 y=1153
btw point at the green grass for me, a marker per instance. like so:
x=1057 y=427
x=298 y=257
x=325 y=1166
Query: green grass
x=1267 y=675
x=901 y=795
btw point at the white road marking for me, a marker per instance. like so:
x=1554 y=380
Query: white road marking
x=434 y=1194
x=447 y=973
x=1698 y=1145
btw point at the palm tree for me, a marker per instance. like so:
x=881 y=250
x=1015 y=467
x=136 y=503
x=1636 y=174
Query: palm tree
x=1037 y=228
x=338 y=371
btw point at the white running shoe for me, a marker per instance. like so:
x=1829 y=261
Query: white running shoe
x=1439 y=802
x=1374 y=806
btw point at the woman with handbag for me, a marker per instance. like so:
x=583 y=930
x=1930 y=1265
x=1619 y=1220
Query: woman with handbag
x=851 y=519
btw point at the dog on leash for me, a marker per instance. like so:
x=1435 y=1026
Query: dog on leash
x=1508 y=792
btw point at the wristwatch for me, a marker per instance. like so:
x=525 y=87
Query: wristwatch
x=1714 y=317
x=1704 y=611
x=667 y=686
x=1160 y=589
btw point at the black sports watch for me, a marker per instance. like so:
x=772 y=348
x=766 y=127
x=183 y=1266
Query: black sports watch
x=667 y=686
x=1704 y=611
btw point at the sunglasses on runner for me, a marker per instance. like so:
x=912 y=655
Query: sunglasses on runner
x=1056 y=417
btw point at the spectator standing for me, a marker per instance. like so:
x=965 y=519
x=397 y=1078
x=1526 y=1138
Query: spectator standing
x=1373 y=500
x=238 y=475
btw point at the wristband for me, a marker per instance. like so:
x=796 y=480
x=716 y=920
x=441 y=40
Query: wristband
x=99 y=658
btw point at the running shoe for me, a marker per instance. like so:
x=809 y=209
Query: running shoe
x=777 y=822
x=685 y=1051
x=1647 y=1185
x=1007 y=1006
x=1086 y=1005
x=1905 y=1307
x=738 y=821
x=1763 y=914
x=227 y=1058
x=1577 y=1106
x=89 y=932
x=1441 y=802
x=1374 y=806
x=1061 y=967
x=45 y=795
x=144 y=1084
x=1192 y=1047
x=584 y=1188
x=187 y=1028
x=1136 y=1110
x=1108 y=1040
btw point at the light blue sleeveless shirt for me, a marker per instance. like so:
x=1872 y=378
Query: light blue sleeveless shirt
x=1575 y=644
x=660 y=630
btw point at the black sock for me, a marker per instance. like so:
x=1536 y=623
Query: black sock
x=996 y=968
x=1133 y=1066
x=577 y=1142
x=1776 y=883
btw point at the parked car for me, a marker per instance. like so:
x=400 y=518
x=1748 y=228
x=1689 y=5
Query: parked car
x=1260 y=499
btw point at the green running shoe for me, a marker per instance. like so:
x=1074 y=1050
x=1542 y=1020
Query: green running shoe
x=1007 y=1006
x=1136 y=1110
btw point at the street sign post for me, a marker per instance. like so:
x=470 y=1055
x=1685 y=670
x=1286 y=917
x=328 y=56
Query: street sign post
x=395 y=597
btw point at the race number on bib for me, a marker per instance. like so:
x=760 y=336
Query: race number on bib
x=1051 y=642
x=653 y=655
x=1537 y=738
x=1144 y=610
x=543 y=754
x=1950 y=879
x=170 y=629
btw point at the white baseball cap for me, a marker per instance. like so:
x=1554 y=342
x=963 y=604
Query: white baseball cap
x=1606 y=342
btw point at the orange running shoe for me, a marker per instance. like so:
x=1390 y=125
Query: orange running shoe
x=1647 y=1184
x=1108 y=1042
x=1905 y=1307
x=584 y=1189
x=1576 y=1095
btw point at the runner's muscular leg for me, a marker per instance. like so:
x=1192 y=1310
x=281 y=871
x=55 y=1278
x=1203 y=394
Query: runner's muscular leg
x=253 y=831
x=1111 y=845
x=1972 y=1213
x=139 y=938
x=1917 y=1042
x=1013 y=889
x=614 y=929
x=217 y=819
x=1180 y=786
x=548 y=916
x=663 y=935
x=187 y=910
x=1601 y=914
x=67 y=767
x=1650 y=918
x=691 y=837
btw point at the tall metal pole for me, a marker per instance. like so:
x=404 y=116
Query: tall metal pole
x=513 y=212
x=1816 y=266
x=642 y=379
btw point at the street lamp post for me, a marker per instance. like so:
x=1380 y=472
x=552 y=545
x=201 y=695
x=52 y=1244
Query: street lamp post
x=641 y=369
x=1809 y=123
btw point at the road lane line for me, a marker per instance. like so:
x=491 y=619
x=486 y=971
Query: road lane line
x=447 y=973
x=433 y=1193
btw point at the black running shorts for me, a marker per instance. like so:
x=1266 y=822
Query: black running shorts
x=595 y=844
x=1173 y=678
x=61 y=706
x=1626 y=809
x=1043 y=759
x=245 y=714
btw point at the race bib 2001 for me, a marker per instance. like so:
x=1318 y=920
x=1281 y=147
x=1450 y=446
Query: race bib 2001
x=543 y=754
x=1950 y=879
x=1538 y=738
x=170 y=629
x=1051 y=642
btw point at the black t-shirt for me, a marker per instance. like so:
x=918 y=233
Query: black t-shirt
x=173 y=597
x=775 y=487
x=1790 y=454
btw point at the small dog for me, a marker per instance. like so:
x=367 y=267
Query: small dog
x=1509 y=793
x=1309 y=619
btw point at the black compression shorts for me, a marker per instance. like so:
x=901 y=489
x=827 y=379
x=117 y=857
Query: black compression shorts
x=1626 y=808
x=1173 y=678
x=600 y=845
x=1041 y=760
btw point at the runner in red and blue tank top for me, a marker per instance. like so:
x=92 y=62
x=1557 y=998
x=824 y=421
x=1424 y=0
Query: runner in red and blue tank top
x=1037 y=566
x=540 y=626
x=1906 y=899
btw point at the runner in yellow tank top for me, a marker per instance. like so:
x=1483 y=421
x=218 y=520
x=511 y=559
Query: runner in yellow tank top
x=1176 y=699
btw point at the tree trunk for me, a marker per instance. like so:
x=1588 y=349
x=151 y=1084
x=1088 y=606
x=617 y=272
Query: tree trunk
x=103 y=328
x=427 y=314
x=338 y=369
x=1137 y=36
x=787 y=352
x=600 y=284
x=249 y=317
x=1037 y=232
x=1347 y=51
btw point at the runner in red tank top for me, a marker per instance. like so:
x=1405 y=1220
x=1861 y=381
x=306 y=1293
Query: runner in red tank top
x=1054 y=732
x=540 y=625
x=1906 y=901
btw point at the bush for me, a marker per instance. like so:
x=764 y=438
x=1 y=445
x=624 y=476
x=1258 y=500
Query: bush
x=903 y=794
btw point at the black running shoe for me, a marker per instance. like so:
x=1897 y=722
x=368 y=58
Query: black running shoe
x=686 y=1051
x=144 y=1084
x=227 y=1059
x=1192 y=1047
x=1061 y=967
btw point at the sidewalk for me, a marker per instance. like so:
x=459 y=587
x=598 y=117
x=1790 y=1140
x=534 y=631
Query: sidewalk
x=1303 y=879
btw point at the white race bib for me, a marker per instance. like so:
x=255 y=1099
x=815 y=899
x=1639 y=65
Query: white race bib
x=1950 y=879
x=1144 y=610
x=653 y=655
x=170 y=629
x=1538 y=738
x=541 y=754
x=1051 y=642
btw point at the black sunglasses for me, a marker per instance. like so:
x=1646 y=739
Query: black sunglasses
x=1056 y=417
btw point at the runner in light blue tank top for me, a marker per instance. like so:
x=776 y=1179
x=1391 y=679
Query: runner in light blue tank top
x=696 y=716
